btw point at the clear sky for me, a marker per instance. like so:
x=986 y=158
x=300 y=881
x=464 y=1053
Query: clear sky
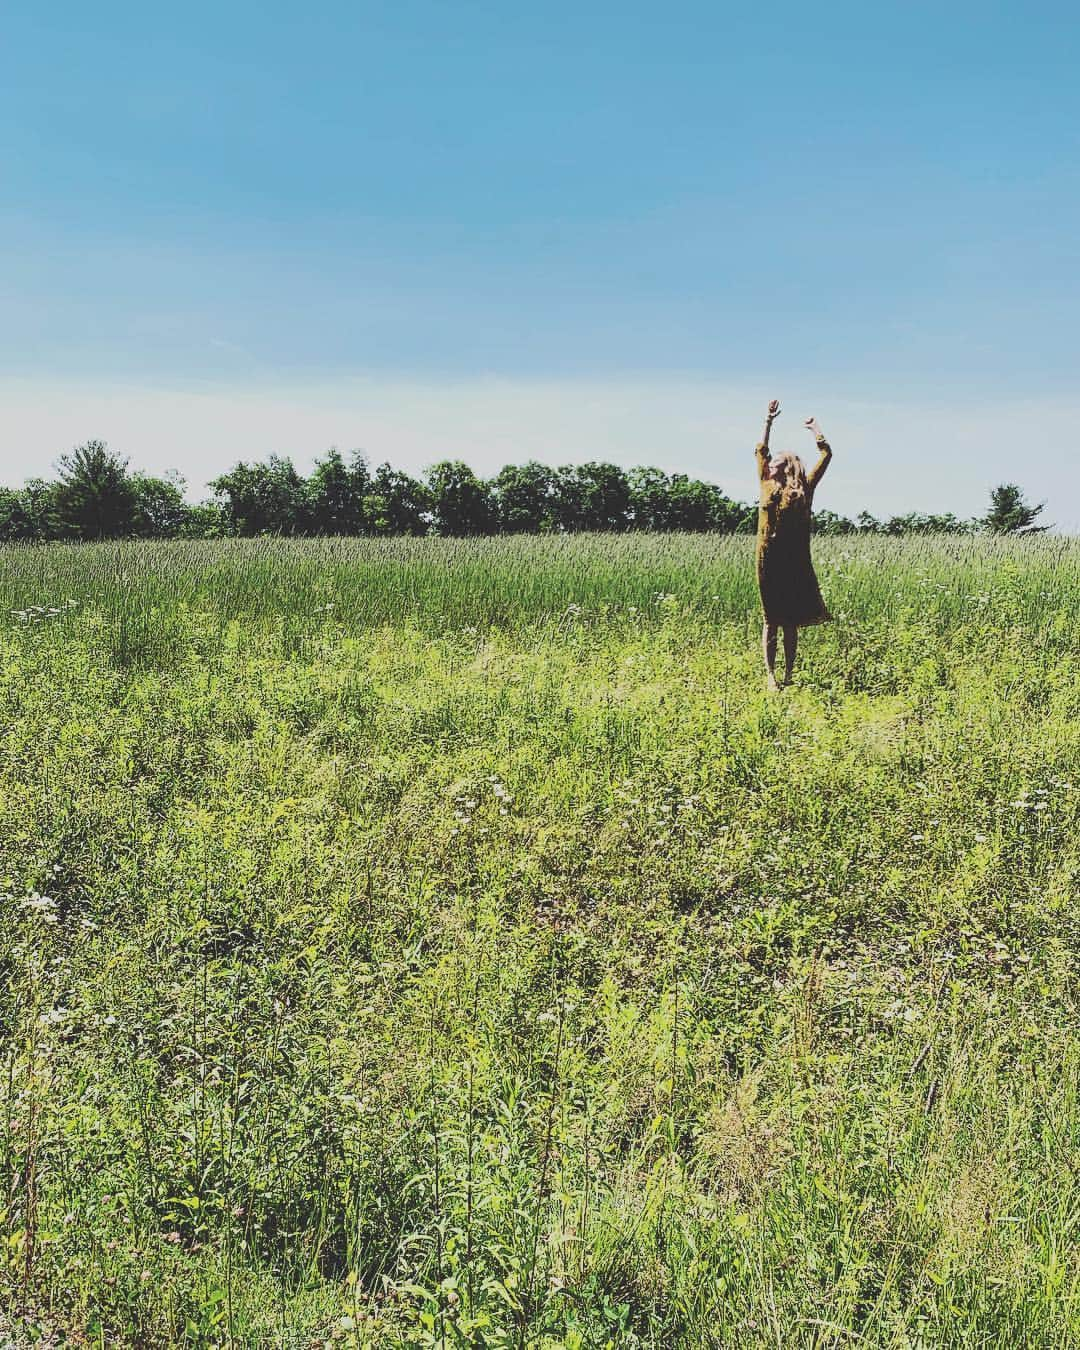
x=566 y=231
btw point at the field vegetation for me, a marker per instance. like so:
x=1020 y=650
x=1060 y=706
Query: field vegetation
x=443 y=942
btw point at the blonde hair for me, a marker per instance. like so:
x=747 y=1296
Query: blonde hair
x=795 y=483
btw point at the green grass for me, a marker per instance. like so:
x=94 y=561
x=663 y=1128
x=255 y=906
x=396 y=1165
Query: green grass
x=423 y=943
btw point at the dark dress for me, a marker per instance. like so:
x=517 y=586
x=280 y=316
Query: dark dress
x=790 y=595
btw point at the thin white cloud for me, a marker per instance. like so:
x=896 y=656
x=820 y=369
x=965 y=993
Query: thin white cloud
x=890 y=457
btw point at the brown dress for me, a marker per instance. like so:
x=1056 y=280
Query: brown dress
x=790 y=595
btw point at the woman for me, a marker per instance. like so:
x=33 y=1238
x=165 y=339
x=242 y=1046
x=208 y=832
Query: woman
x=790 y=595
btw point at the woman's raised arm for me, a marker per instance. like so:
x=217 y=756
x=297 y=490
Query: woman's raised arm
x=815 y=475
x=762 y=450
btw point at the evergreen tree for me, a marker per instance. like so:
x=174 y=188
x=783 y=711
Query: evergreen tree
x=1010 y=514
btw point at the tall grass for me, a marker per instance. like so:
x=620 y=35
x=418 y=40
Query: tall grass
x=511 y=580
x=450 y=943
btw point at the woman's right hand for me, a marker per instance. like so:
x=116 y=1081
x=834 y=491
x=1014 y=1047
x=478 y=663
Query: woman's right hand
x=774 y=410
x=813 y=425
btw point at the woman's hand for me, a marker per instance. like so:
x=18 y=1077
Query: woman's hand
x=812 y=424
x=770 y=417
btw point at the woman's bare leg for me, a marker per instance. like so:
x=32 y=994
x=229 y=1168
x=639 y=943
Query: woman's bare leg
x=791 y=642
x=768 y=643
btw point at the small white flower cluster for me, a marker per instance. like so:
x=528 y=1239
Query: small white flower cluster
x=998 y=953
x=505 y=798
x=1034 y=799
x=674 y=805
x=44 y=906
x=669 y=807
x=463 y=809
x=39 y=613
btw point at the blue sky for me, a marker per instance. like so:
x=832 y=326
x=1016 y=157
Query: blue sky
x=568 y=231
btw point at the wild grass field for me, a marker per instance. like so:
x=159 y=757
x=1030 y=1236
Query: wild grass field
x=445 y=943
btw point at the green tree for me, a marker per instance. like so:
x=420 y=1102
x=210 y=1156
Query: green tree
x=31 y=514
x=747 y=522
x=95 y=497
x=650 y=498
x=336 y=492
x=829 y=522
x=922 y=522
x=12 y=518
x=206 y=520
x=266 y=498
x=461 y=503
x=523 y=498
x=1010 y=514
x=593 y=496
x=696 y=506
x=396 y=504
x=160 y=509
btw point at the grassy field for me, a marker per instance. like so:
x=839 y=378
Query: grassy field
x=434 y=943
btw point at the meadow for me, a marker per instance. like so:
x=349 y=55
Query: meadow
x=445 y=943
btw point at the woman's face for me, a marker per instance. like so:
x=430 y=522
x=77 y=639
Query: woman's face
x=786 y=470
x=780 y=469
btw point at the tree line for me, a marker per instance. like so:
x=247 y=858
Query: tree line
x=95 y=495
